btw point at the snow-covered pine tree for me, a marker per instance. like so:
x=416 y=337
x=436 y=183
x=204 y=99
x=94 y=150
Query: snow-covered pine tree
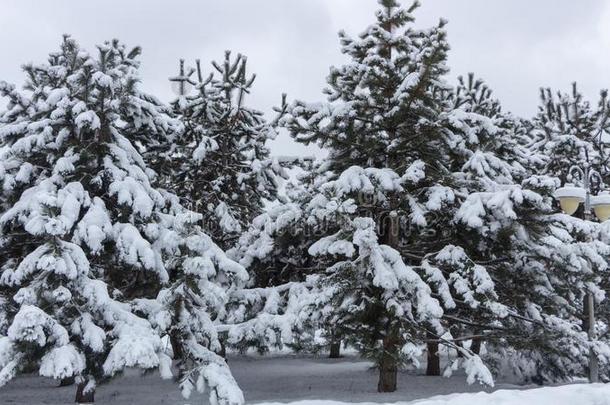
x=391 y=142
x=89 y=248
x=569 y=131
x=274 y=249
x=191 y=308
x=508 y=222
x=488 y=156
x=74 y=243
x=219 y=163
x=441 y=177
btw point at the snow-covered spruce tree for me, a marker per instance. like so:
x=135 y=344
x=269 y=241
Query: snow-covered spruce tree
x=391 y=142
x=274 y=249
x=569 y=131
x=487 y=156
x=484 y=152
x=191 y=307
x=440 y=177
x=219 y=164
x=74 y=252
x=541 y=338
x=88 y=243
x=508 y=223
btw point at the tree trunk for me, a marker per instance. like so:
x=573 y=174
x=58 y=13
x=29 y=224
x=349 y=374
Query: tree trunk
x=593 y=366
x=335 y=345
x=434 y=361
x=223 y=347
x=585 y=314
x=335 y=349
x=475 y=346
x=388 y=365
x=174 y=340
x=83 y=397
x=65 y=382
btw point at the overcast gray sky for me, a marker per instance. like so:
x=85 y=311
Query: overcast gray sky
x=515 y=45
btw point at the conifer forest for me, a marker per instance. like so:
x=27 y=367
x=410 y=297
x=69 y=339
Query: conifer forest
x=434 y=244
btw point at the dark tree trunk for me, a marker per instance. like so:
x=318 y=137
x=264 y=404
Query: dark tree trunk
x=388 y=364
x=434 y=361
x=223 y=347
x=335 y=349
x=65 y=382
x=585 y=314
x=475 y=346
x=83 y=397
x=335 y=345
x=174 y=340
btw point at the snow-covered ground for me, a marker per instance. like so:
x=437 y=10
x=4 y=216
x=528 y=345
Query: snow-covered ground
x=289 y=378
x=577 y=394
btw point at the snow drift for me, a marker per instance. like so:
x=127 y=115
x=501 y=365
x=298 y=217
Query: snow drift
x=582 y=394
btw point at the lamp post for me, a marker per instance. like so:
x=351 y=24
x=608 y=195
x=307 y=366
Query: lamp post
x=569 y=199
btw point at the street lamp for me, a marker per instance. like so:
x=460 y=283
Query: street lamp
x=569 y=199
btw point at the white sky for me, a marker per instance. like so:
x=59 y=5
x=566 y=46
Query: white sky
x=515 y=45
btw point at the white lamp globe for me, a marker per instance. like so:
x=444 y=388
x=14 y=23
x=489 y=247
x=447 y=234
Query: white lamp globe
x=601 y=206
x=570 y=198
